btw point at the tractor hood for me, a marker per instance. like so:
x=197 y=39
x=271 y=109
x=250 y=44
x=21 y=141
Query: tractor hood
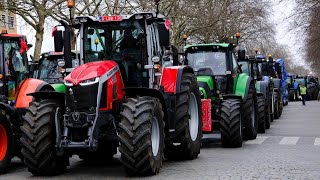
x=92 y=70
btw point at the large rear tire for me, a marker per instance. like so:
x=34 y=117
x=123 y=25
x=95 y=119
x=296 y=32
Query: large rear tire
x=141 y=135
x=276 y=106
x=291 y=95
x=250 y=119
x=38 y=139
x=261 y=115
x=231 y=123
x=6 y=144
x=185 y=142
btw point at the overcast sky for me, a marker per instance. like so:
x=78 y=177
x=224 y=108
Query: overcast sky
x=280 y=16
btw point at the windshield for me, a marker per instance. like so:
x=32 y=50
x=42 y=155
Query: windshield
x=116 y=41
x=15 y=62
x=300 y=81
x=244 y=67
x=216 y=61
x=49 y=70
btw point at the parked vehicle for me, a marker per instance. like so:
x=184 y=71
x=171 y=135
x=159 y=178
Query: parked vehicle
x=130 y=101
x=282 y=75
x=250 y=66
x=228 y=95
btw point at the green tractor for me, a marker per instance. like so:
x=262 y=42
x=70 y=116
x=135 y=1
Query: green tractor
x=228 y=95
x=250 y=66
x=270 y=71
x=50 y=68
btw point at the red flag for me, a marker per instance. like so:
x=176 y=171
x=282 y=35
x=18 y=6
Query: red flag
x=23 y=46
x=54 y=30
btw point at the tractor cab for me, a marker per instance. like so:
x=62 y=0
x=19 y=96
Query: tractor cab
x=215 y=65
x=135 y=42
x=14 y=64
x=250 y=66
x=300 y=80
x=50 y=67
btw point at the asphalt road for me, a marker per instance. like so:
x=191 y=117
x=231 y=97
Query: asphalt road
x=289 y=150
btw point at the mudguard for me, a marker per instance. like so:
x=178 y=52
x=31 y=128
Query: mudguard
x=242 y=86
x=171 y=78
x=59 y=87
x=30 y=86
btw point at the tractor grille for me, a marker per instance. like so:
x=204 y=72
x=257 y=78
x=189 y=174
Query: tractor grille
x=85 y=97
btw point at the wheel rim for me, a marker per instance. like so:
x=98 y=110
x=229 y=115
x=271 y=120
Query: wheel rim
x=193 y=117
x=155 y=136
x=3 y=142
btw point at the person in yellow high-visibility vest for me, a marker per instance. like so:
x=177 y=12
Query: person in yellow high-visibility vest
x=303 y=93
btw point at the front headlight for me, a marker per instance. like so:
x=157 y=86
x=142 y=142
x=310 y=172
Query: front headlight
x=68 y=83
x=89 y=81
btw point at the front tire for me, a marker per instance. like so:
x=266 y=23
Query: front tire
x=261 y=115
x=141 y=136
x=231 y=123
x=185 y=143
x=38 y=139
x=6 y=144
x=249 y=115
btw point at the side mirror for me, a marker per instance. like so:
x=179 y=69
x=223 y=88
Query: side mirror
x=241 y=54
x=164 y=35
x=90 y=31
x=30 y=46
x=58 y=41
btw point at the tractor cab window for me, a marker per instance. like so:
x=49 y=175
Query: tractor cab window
x=123 y=42
x=244 y=67
x=216 y=61
x=49 y=69
x=300 y=81
x=15 y=66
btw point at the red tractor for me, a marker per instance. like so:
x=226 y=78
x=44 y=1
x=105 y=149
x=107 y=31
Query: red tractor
x=14 y=85
x=122 y=96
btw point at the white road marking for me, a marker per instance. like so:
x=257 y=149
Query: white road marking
x=289 y=141
x=258 y=140
x=317 y=142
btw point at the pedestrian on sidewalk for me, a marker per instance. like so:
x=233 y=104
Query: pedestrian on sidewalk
x=303 y=94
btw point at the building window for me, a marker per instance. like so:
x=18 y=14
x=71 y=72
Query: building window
x=3 y=19
x=11 y=22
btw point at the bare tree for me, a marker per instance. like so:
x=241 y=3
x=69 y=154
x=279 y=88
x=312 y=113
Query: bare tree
x=35 y=14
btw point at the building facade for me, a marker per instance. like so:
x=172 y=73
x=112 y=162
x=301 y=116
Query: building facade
x=8 y=20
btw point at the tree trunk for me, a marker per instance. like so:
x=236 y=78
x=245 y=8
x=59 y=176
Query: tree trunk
x=39 y=39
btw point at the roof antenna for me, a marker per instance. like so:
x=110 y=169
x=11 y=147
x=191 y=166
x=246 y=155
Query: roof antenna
x=157 y=4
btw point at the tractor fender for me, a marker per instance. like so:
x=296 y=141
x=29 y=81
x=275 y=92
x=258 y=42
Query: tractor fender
x=30 y=86
x=242 y=86
x=162 y=96
x=51 y=94
x=171 y=78
x=232 y=96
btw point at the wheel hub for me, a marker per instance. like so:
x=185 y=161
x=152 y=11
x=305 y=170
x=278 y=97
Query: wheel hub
x=193 y=117
x=155 y=136
x=3 y=142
